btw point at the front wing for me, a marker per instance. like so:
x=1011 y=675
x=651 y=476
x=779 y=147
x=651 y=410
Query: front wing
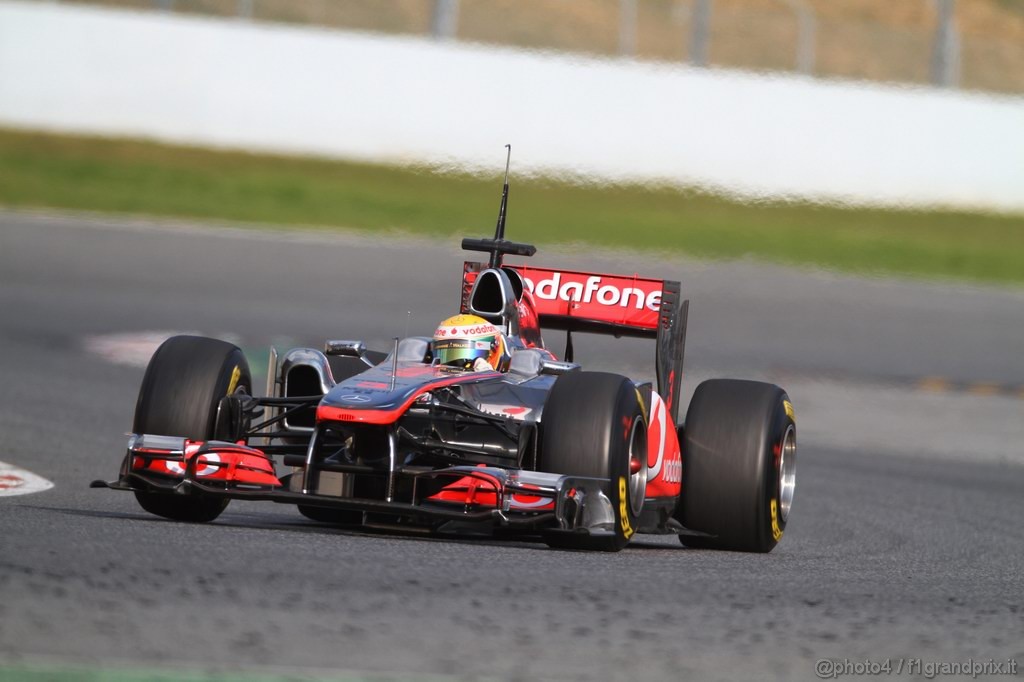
x=487 y=495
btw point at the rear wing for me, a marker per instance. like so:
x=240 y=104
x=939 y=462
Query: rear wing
x=615 y=305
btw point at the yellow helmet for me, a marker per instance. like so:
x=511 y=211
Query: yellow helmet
x=463 y=340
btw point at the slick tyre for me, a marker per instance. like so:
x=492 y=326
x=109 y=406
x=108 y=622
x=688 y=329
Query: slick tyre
x=593 y=426
x=183 y=385
x=739 y=466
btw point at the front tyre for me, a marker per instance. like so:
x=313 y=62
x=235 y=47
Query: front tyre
x=593 y=426
x=184 y=383
x=739 y=466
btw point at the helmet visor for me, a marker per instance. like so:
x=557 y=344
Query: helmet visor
x=461 y=352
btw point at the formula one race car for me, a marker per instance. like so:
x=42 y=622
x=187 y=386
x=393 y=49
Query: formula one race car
x=534 y=445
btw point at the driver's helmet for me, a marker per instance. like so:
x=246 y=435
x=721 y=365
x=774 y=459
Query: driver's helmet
x=470 y=342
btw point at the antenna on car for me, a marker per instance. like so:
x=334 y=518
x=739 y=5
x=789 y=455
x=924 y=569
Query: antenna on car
x=394 y=366
x=499 y=230
x=499 y=246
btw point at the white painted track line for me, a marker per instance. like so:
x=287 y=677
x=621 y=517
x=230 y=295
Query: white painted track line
x=15 y=481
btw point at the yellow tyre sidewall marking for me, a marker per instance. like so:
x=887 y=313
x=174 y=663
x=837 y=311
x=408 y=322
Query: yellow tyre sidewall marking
x=776 y=531
x=790 y=412
x=643 y=408
x=236 y=374
x=627 y=529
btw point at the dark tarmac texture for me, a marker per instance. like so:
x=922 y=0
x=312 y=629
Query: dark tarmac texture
x=888 y=555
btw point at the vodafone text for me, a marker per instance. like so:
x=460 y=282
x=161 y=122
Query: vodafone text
x=592 y=290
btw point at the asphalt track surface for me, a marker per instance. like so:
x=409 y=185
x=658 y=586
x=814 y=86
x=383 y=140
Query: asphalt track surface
x=905 y=540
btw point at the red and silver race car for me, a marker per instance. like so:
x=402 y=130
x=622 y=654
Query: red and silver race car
x=582 y=459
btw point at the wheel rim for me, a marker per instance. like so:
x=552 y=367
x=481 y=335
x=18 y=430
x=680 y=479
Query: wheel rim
x=637 y=467
x=787 y=472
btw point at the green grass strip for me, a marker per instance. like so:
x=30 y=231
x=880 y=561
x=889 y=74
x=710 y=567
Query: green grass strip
x=139 y=177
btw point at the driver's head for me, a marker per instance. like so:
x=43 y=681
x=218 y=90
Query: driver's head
x=470 y=342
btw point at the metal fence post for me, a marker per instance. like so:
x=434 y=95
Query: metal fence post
x=946 y=48
x=627 y=27
x=244 y=9
x=445 y=22
x=700 y=32
x=807 y=36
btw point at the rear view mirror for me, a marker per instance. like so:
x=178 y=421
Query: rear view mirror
x=345 y=347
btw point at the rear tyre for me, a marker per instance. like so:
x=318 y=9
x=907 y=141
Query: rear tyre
x=739 y=466
x=184 y=383
x=593 y=426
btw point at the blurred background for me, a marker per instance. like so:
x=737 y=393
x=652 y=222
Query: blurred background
x=972 y=44
x=859 y=135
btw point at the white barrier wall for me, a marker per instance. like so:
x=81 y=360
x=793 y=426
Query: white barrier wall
x=400 y=99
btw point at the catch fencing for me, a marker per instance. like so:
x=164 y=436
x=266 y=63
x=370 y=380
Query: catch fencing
x=944 y=43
